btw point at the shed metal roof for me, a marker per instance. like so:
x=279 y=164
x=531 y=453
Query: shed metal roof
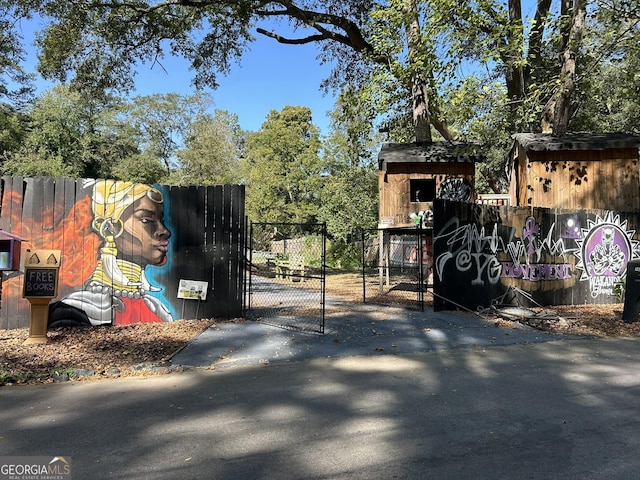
x=540 y=142
x=428 y=152
x=4 y=235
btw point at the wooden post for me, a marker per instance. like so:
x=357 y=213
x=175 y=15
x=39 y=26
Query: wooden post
x=39 y=318
x=380 y=260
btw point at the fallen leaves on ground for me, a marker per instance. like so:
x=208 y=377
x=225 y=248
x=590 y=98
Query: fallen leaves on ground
x=105 y=352
x=591 y=320
x=93 y=352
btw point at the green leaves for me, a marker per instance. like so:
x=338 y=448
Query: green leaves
x=100 y=44
x=212 y=152
x=479 y=70
x=15 y=84
x=283 y=168
x=70 y=134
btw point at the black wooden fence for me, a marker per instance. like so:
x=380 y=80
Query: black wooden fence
x=201 y=275
x=487 y=255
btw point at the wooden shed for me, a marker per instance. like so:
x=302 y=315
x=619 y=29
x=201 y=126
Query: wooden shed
x=576 y=171
x=413 y=175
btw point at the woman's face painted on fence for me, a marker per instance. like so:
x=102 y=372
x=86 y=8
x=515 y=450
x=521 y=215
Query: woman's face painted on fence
x=145 y=238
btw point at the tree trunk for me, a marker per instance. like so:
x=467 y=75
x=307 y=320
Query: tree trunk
x=513 y=61
x=419 y=91
x=421 y=117
x=519 y=69
x=557 y=112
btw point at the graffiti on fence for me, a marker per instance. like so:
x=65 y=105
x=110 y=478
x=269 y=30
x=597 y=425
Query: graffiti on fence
x=471 y=249
x=481 y=247
x=564 y=251
x=456 y=189
x=526 y=252
x=571 y=227
x=556 y=256
x=603 y=252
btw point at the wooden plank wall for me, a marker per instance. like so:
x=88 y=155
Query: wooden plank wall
x=394 y=186
x=207 y=242
x=579 y=179
x=529 y=256
x=209 y=247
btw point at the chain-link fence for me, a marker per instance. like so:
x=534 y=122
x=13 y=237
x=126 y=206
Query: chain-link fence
x=397 y=267
x=386 y=267
x=287 y=270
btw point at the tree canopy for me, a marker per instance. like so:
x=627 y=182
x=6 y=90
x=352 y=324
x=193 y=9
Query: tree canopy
x=417 y=46
x=66 y=133
x=15 y=84
x=70 y=135
x=214 y=145
x=420 y=69
x=283 y=169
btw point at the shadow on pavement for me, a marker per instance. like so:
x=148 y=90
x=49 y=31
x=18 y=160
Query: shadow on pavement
x=351 y=329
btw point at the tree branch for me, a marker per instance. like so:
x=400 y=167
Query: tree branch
x=537 y=31
x=351 y=37
x=291 y=41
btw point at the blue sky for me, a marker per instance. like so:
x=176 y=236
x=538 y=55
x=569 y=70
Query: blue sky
x=269 y=77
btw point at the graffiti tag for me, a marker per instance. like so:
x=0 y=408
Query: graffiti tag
x=471 y=248
x=536 y=272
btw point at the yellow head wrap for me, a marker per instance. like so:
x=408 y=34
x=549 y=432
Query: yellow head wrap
x=111 y=198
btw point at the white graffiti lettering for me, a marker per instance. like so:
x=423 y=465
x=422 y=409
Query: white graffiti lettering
x=602 y=285
x=471 y=248
x=530 y=247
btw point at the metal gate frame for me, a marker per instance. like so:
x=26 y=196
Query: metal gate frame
x=401 y=279
x=286 y=277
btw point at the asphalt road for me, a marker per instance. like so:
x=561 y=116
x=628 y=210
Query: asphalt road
x=560 y=409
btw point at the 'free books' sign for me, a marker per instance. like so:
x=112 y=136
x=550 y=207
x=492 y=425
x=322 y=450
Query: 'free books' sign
x=41 y=274
x=40 y=282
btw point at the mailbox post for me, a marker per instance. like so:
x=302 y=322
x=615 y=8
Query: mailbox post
x=41 y=269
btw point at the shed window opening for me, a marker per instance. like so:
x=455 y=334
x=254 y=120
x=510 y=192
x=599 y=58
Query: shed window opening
x=423 y=190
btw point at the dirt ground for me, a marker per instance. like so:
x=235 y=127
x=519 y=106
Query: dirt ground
x=591 y=320
x=93 y=352
x=594 y=320
x=143 y=349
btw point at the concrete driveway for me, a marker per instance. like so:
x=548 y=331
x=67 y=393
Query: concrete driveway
x=385 y=393
x=351 y=329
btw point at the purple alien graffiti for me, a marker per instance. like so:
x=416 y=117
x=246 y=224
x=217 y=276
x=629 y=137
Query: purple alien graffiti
x=606 y=251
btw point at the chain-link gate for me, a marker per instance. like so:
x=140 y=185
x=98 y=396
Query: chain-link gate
x=286 y=278
x=396 y=266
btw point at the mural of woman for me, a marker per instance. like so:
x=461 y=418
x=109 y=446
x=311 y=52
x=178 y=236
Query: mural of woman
x=128 y=217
